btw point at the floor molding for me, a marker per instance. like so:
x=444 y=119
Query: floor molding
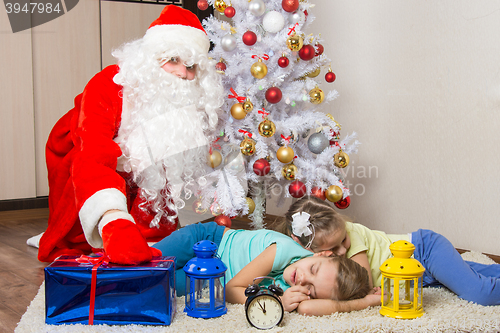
x=28 y=203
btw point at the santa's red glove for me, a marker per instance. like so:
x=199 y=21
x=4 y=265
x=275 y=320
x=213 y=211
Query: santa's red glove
x=124 y=244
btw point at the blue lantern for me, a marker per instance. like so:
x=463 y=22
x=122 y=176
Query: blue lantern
x=205 y=282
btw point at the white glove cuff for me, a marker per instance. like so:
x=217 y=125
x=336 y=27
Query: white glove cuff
x=112 y=217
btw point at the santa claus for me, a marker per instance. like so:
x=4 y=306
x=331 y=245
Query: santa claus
x=136 y=139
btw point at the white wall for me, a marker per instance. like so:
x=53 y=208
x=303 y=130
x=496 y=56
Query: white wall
x=419 y=81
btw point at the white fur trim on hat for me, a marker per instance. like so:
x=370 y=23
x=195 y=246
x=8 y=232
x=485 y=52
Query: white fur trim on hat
x=178 y=34
x=95 y=207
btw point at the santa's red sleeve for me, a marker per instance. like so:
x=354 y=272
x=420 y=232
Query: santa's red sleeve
x=81 y=160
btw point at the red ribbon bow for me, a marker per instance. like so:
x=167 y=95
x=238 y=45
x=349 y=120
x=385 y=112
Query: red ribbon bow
x=214 y=145
x=292 y=29
x=240 y=99
x=264 y=113
x=265 y=57
x=245 y=132
x=96 y=262
x=286 y=138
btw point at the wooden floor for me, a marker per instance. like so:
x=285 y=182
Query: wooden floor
x=21 y=274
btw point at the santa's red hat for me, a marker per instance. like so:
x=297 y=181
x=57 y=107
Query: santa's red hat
x=178 y=25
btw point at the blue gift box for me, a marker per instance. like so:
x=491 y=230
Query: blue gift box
x=142 y=294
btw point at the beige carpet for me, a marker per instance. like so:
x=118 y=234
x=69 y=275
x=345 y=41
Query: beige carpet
x=444 y=312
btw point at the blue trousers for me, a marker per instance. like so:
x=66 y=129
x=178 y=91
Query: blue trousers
x=444 y=266
x=180 y=245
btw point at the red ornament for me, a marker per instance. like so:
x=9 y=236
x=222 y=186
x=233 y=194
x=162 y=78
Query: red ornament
x=229 y=11
x=319 y=49
x=343 y=204
x=283 y=62
x=223 y=220
x=318 y=193
x=261 y=167
x=307 y=52
x=249 y=38
x=297 y=189
x=202 y=4
x=220 y=66
x=273 y=95
x=330 y=77
x=290 y=5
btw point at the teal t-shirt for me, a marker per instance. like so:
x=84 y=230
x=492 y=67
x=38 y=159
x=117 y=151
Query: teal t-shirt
x=239 y=247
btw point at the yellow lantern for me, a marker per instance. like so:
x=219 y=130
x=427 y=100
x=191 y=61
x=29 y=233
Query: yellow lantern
x=402 y=282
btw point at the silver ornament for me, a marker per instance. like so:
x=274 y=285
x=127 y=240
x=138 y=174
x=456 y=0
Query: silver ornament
x=297 y=17
x=228 y=43
x=317 y=142
x=257 y=7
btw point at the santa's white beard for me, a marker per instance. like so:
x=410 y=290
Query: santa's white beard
x=164 y=144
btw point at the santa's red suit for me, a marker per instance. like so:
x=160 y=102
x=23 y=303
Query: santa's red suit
x=81 y=161
x=85 y=181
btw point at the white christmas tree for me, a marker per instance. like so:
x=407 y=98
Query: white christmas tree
x=272 y=139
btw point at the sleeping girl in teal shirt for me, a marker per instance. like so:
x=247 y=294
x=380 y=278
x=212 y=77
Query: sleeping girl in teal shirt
x=310 y=281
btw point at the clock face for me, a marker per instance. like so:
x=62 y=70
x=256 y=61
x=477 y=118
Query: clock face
x=264 y=311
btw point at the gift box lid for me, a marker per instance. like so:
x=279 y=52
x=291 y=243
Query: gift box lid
x=76 y=262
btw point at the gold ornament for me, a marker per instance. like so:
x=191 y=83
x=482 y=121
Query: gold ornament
x=285 y=154
x=289 y=171
x=237 y=111
x=197 y=207
x=267 y=128
x=215 y=209
x=220 y=5
x=247 y=147
x=258 y=69
x=251 y=205
x=214 y=159
x=295 y=42
x=334 y=193
x=317 y=95
x=341 y=159
x=336 y=122
x=314 y=73
x=247 y=105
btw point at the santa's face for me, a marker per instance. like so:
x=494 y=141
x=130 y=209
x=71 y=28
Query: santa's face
x=176 y=66
x=170 y=106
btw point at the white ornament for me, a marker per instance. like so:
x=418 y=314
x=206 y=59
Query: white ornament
x=257 y=7
x=297 y=17
x=273 y=22
x=228 y=43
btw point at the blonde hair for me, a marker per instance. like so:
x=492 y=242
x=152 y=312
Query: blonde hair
x=323 y=218
x=352 y=280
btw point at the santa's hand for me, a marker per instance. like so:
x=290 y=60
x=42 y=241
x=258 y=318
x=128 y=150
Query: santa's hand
x=293 y=296
x=124 y=244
